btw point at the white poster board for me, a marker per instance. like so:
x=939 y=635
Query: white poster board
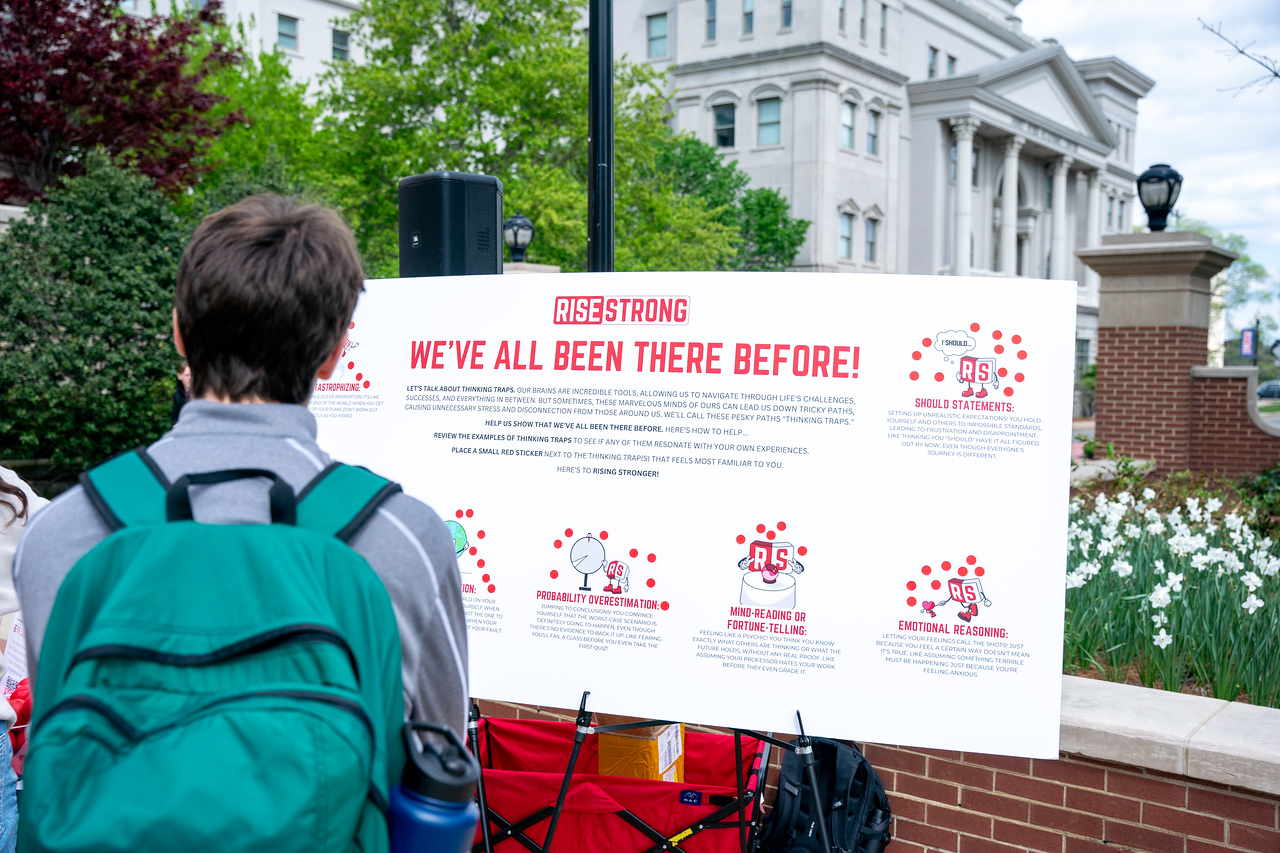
x=722 y=498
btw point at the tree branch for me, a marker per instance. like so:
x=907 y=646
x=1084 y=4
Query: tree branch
x=1271 y=66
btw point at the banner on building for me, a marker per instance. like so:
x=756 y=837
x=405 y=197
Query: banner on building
x=722 y=498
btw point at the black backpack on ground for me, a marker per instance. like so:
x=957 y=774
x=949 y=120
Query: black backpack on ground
x=852 y=800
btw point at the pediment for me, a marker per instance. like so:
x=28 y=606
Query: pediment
x=1039 y=92
x=1046 y=82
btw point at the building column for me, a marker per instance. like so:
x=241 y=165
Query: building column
x=964 y=129
x=1058 y=245
x=1009 y=208
x=894 y=219
x=1093 y=227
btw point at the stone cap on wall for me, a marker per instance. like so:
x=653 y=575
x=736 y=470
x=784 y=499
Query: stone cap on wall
x=1250 y=375
x=1230 y=743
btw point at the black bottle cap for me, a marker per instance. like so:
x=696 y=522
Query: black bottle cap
x=442 y=772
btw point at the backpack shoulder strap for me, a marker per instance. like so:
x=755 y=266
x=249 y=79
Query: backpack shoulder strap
x=341 y=498
x=127 y=490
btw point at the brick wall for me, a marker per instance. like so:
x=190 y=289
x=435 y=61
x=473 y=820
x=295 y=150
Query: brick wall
x=1143 y=401
x=952 y=802
x=1224 y=438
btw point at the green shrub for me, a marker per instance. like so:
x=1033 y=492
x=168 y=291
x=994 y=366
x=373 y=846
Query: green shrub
x=86 y=292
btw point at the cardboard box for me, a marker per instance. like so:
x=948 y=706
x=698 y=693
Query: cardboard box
x=652 y=752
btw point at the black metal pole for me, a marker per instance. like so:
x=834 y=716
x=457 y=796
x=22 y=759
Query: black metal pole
x=804 y=749
x=473 y=726
x=579 y=736
x=600 y=138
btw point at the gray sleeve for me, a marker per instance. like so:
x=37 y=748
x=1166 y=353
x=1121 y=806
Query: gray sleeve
x=411 y=550
x=55 y=539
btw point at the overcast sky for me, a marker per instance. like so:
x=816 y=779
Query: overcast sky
x=1226 y=145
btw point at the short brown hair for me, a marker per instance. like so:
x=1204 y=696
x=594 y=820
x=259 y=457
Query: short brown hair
x=266 y=288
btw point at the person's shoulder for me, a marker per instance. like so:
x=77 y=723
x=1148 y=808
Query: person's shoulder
x=420 y=520
x=61 y=532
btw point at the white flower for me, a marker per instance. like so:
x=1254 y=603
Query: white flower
x=1175 y=580
x=1217 y=555
x=1086 y=538
x=1159 y=564
x=1075 y=579
x=1231 y=563
x=1148 y=494
x=1199 y=561
x=1160 y=619
x=1232 y=521
x=1211 y=528
x=1089 y=568
x=1159 y=598
x=1122 y=568
x=1152 y=514
x=1212 y=505
x=1162 y=639
x=1156 y=527
x=1105 y=547
x=1124 y=498
x=1133 y=531
x=1252 y=603
x=1251 y=580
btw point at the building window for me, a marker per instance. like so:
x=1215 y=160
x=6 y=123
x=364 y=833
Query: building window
x=933 y=63
x=847 y=113
x=840 y=17
x=1120 y=217
x=955 y=158
x=1082 y=356
x=846 y=236
x=724 y=114
x=341 y=45
x=711 y=20
x=870 y=242
x=786 y=14
x=770 y=128
x=1111 y=211
x=951 y=66
x=862 y=21
x=873 y=132
x=287 y=32
x=657 y=36
x=884 y=26
x=748 y=17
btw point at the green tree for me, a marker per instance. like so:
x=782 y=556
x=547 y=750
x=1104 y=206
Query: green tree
x=1245 y=280
x=86 y=289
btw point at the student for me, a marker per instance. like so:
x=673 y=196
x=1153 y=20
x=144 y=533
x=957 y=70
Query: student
x=181 y=389
x=265 y=293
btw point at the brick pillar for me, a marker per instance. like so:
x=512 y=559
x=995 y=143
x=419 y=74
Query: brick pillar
x=1153 y=327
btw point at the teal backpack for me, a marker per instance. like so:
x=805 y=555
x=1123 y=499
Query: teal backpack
x=217 y=687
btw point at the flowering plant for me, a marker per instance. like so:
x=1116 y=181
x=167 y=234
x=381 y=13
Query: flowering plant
x=1187 y=595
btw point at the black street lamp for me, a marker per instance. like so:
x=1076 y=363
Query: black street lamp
x=517 y=233
x=1158 y=189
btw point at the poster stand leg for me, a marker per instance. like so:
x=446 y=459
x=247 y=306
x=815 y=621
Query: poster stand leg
x=803 y=747
x=473 y=725
x=579 y=737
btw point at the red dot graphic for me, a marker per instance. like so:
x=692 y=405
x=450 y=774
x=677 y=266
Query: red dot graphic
x=973 y=327
x=568 y=531
x=926 y=343
x=741 y=539
x=352 y=326
x=1017 y=339
x=936 y=584
x=1022 y=353
x=604 y=534
x=484 y=578
x=558 y=543
x=946 y=565
x=802 y=550
x=479 y=534
x=652 y=558
x=999 y=349
x=472 y=551
x=971 y=559
x=479 y=564
x=366 y=383
x=359 y=376
x=996 y=334
x=916 y=355
x=1002 y=372
x=924 y=570
x=770 y=535
x=492 y=588
x=937 y=377
x=470 y=513
x=782 y=525
x=911 y=601
x=962 y=571
x=665 y=605
x=458 y=514
x=650 y=583
x=911 y=584
x=554 y=574
x=979 y=571
x=759 y=528
x=914 y=375
x=1018 y=377
x=350 y=364
x=1008 y=392
x=634 y=553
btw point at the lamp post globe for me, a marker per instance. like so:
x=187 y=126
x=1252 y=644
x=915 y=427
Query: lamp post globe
x=1158 y=190
x=517 y=233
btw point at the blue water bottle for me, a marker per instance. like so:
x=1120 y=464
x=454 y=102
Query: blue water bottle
x=432 y=809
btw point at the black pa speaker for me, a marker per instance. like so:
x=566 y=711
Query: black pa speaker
x=450 y=224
